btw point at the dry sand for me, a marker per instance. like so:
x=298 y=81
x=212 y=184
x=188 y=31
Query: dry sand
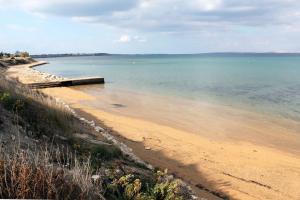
x=235 y=153
x=26 y=74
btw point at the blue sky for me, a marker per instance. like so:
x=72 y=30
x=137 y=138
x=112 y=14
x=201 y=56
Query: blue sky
x=149 y=26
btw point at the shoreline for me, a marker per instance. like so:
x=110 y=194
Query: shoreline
x=247 y=169
x=213 y=121
x=26 y=73
x=251 y=170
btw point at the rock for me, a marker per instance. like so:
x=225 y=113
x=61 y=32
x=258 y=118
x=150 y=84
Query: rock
x=13 y=137
x=95 y=177
x=147 y=148
x=92 y=123
x=98 y=128
x=61 y=137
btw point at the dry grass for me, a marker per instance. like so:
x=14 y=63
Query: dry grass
x=20 y=91
x=45 y=174
x=43 y=113
x=50 y=172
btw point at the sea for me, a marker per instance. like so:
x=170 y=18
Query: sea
x=264 y=83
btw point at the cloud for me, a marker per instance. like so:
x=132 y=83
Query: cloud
x=170 y=16
x=139 y=39
x=128 y=38
x=124 y=39
x=71 y=7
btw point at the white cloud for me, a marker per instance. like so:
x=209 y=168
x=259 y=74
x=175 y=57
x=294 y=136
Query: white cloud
x=124 y=39
x=206 y=5
x=139 y=39
x=169 y=15
x=127 y=38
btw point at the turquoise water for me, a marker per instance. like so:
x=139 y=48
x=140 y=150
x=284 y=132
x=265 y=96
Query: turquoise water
x=267 y=84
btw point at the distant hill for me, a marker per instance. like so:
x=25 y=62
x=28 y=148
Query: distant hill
x=68 y=55
x=250 y=54
x=199 y=54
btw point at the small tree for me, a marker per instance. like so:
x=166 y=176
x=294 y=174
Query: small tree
x=24 y=54
x=17 y=54
x=1 y=54
x=7 y=55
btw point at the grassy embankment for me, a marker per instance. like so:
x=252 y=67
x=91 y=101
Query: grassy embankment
x=41 y=157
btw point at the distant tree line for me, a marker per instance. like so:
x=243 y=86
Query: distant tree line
x=69 y=55
x=22 y=54
x=5 y=55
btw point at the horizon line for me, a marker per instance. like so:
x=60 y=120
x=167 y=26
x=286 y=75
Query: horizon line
x=217 y=52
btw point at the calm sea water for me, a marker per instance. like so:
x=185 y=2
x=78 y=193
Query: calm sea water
x=267 y=84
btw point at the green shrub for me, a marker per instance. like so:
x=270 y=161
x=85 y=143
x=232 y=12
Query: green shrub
x=11 y=103
x=41 y=114
x=104 y=153
x=128 y=187
x=24 y=54
x=6 y=100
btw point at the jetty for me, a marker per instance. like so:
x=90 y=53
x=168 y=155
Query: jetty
x=34 y=79
x=67 y=82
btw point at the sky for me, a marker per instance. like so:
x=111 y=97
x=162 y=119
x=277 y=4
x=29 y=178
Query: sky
x=149 y=26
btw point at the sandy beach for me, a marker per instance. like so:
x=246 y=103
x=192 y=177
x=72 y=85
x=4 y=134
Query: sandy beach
x=255 y=166
x=227 y=153
x=26 y=73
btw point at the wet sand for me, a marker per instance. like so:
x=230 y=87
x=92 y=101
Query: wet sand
x=219 y=149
